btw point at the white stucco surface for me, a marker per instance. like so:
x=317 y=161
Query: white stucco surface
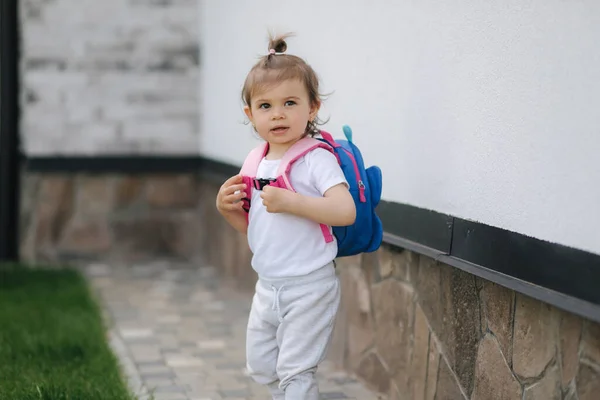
x=483 y=110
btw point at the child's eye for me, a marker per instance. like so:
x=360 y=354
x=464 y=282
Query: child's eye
x=264 y=106
x=290 y=103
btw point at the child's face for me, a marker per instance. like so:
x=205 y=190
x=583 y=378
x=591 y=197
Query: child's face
x=280 y=113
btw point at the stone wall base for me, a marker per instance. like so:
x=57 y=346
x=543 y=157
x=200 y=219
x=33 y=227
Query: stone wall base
x=410 y=327
x=104 y=217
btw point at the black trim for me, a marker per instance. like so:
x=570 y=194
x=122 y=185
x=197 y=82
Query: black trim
x=429 y=228
x=130 y=164
x=9 y=131
x=565 y=277
x=549 y=265
x=562 y=276
x=572 y=303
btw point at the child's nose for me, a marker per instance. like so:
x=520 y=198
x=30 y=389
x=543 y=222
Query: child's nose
x=278 y=113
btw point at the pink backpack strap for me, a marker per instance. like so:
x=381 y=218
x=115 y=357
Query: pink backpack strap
x=253 y=159
x=327 y=136
x=248 y=171
x=299 y=149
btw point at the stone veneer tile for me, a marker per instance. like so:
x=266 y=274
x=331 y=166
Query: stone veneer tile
x=95 y=195
x=450 y=301
x=548 y=388
x=370 y=266
x=432 y=369
x=337 y=350
x=89 y=235
x=52 y=210
x=147 y=234
x=588 y=382
x=499 y=305
x=171 y=191
x=361 y=333
x=397 y=263
x=374 y=373
x=395 y=393
x=418 y=366
x=413 y=262
x=428 y=285
x=570 y=334
x=535 y=339
x=387 y=255
x=393 y=312
x=460 y=331
x=590 y=346
x=127 y=191
x=493 y=377
x=447 y=386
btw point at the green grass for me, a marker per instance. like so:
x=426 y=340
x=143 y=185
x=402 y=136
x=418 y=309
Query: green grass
x=52 y=339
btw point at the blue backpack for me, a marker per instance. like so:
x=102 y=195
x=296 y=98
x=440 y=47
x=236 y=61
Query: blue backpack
x=366 y=234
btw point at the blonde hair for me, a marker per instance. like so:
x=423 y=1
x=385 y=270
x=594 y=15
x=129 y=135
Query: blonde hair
x=275 y=68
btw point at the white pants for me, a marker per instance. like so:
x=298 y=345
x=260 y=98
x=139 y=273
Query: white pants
x=289 y=330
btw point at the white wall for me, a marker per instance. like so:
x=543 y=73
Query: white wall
x=484 y=110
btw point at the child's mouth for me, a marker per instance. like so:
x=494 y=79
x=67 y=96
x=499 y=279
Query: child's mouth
x=280 y=130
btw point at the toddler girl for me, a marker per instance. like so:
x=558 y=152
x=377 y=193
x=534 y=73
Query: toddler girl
x=297 y=292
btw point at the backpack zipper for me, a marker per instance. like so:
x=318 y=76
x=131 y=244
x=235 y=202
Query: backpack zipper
x=361 y=184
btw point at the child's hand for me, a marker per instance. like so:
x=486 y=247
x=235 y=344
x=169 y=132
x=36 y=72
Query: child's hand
x=277 y=200
x=227 y=198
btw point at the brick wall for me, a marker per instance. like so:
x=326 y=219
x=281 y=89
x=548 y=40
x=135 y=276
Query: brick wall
x=104 y=78
x=110 y=76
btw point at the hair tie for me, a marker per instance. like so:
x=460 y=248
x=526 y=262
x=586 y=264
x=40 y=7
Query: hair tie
x=275 y=53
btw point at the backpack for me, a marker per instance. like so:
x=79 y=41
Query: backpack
x=366 y=234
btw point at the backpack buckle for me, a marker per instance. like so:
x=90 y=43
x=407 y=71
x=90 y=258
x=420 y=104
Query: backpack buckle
x=259 y=184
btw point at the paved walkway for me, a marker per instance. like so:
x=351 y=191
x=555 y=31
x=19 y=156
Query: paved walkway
x=179 y=334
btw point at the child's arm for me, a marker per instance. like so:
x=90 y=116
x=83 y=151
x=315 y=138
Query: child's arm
x=335 y=208
x=229 y=203
x=237 y=219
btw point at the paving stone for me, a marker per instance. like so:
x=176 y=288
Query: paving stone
x=171 y=389
x=234 y=393
x=136 y=333
x=183 y=361
x=159 y=363
x=184 y=336
x=169 y=396
x=148 y=368
x=158 y=375
x=333 y=395
x=212 y=344
x=153 y=383
x=209 y=354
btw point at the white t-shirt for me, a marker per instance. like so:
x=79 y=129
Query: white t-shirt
x=285 y=245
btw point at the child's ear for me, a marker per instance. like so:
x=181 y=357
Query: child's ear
x=248 y=112
x=314 y=110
